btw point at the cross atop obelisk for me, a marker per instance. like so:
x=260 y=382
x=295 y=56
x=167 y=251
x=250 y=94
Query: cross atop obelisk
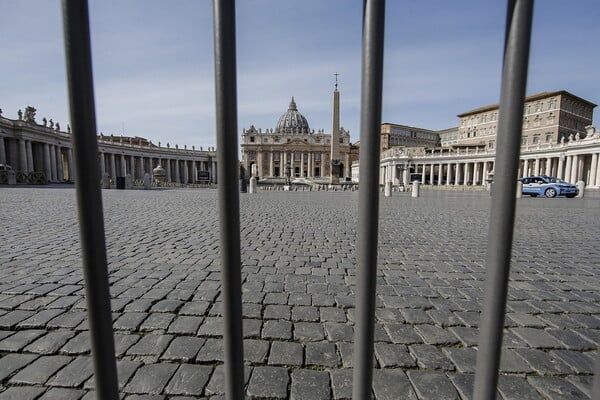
x=335 y=137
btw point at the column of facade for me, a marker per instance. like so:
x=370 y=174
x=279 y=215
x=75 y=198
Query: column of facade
x=70 y=165
x=594 y=170
x=186 y=172
x=467 y=174
x=560 y=168
x=431 y=174
x=548 y=167
x=458 y=174
x=476 y=176
x=310 y=164
x=302 y=164
x=168 y=170
x=194 y=171
x=579 y=171
x=52 y=163
x=485 y=173
x=449 y=174
x=568 y=164
x=177 y=172
x=59 y=165
x=132 y=166
x=102 y=165
x=113 y=167
x=30 y=166
x=271 y=164
x=525 y=168
x=22 y=156
x=441 y=173
x=597 y=169
x=47 y=162
x=2 y=151
x=347 y=166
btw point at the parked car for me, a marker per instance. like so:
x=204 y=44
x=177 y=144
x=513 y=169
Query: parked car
x=542 y=185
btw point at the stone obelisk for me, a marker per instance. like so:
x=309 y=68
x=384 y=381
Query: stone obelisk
x=335 y=137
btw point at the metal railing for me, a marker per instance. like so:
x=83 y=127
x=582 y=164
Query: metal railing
x=81 y=96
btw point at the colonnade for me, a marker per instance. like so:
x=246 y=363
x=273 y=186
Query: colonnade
x=308 y=164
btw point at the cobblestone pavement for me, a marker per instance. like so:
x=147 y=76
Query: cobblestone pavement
x=298 y=251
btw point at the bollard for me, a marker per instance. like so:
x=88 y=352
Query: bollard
x=581 y=186
x=147 y=181
x=388 y=189
x=415 y=189
x=105 y=181
x=12 y=177
x=519 y=189
x=253 y=185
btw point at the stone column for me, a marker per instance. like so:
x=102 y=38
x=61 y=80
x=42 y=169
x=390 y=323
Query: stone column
x=113 y=167
x=458 y=174
x=485 y=173
x=467 y=174
x=431 y=175
x=302 y=164
x=271 y=164
x=525 y=168
x=23 y=156
x=579 y=171
x=47 y=162
x=2 y=151
x=177 y=172
x=59 y=165
x=537 y=167
x=449 y=174
x=597 y=183
x=186 y=172
x=560 y=169
x=310 y=164
x=53 y=162
x=548 y=167
x=194 y=171
x=30 y=166
x=476 y=176
x=168 y=170
x=594 y=170
x=70 y=165
x=123 y=165
x=282 y=167
x=259 y=163
x=102 y=165
x=441 y=173
x=568 y=165
x=132 y=166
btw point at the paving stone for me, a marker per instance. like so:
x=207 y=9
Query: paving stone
x=308 y=331
x=10 y=363
x=189 y=380
x=581 y=363
x=39 y=319
x=212 y=326
x=166 y=306
x=151 y=378
x=309 y=384
x=255 y=351
x=50 y=343
x=341 y=384
x=544 y=363
x=68 y=320
x=430 y=357
x=20 y=339
x=321 y=354
x=10 y=320
x=62 y=394
x=339 y=332
x=516 y=388
x=556 y=388
x=74 y=374
x=252 y=328
x=212 y=351
x=305 y=313
x=432 y=334
x=183 y=348
x=463 y=358
x=464 y=384
x=268 y=382
x=216 y=384
x=129 y=321
x=40 y=370
x=125 y=370
x=511 y=362
x=393 y=355
x=571 y=340
x=277 y=312
x=537 y=338
x=388 y=384
x=277 y=330
x=157 y=321
x=21 y=393
x=332 y=314
x=123 y=342
x=432 y=385
x=286 y=353
x=150 y=345
x=526 y=320
x=402 y=333
x=467 y=336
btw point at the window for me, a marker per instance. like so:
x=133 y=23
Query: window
x=491 y=144
x=538 y=106
x=251 y=139
x=276 y=156
x=548 y=137
x=341 y=140
x=536 y=139
x=551 y=104
x=252 y=155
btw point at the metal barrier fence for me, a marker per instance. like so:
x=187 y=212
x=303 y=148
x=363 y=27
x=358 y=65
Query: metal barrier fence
x=81 y=97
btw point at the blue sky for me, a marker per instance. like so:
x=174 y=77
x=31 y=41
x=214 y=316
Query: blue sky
x=153 y=61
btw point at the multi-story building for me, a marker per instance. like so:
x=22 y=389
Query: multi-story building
x=393 y=135
x=548 y=117
x=293 y=149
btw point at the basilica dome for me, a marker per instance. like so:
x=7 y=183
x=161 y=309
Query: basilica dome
x=292 y=121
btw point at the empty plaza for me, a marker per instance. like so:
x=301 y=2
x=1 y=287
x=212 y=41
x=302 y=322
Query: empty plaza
x=299 y=275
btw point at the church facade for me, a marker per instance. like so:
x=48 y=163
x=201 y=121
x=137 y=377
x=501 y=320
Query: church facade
x=293 y=149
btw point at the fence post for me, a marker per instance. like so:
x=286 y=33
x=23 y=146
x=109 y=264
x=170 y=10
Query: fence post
x=229 y=201
x=368 y=195
x=500 y=232
x=89 y=197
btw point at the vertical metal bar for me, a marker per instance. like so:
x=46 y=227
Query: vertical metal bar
x=500 y=232
x=368 y=197
x=229 y=202
x=89 y=197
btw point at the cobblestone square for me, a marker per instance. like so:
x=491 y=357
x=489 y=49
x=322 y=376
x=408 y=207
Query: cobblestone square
x=299 y=260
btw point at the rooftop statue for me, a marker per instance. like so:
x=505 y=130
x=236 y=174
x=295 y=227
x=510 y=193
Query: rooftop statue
x=29 y=114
